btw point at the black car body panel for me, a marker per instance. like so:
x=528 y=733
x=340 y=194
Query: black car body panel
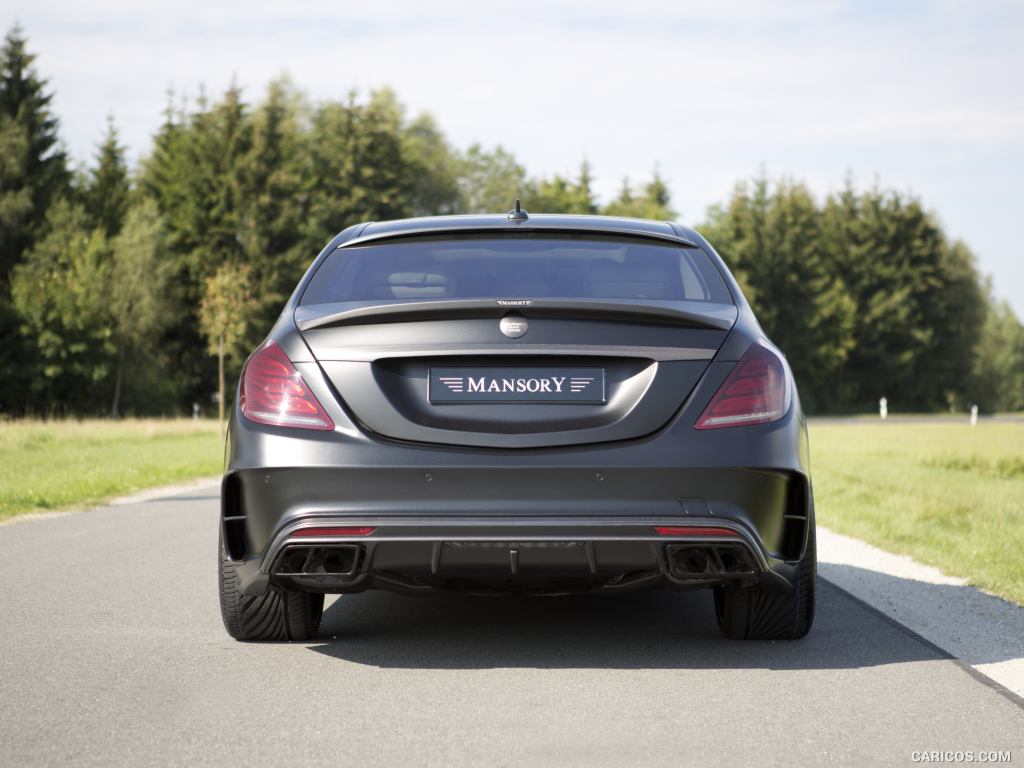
x=533 y=495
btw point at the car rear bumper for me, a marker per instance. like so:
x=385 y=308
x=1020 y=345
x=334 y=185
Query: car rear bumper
x=582 y=517
x=551 y=530
x=545 y=555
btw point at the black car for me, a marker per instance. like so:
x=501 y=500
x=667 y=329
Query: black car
x=517 y=404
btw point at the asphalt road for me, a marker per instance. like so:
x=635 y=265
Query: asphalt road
x=112 y=653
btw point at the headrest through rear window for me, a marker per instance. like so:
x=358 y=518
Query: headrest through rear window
x=409 y=285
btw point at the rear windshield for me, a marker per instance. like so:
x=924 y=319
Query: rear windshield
x=523 y=267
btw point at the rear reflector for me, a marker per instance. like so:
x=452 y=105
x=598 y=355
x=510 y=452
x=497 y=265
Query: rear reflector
x=362 y=531
x=693 y=530
x=755 y=392
x=273 y=392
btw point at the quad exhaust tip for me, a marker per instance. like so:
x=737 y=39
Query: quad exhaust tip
x=709 y=560
x=322 y=563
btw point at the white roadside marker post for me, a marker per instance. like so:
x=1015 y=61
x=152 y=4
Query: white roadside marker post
x=883 y=408
x=974 y=415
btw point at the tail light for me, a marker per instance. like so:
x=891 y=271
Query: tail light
x=273 y=392
x=755 y=392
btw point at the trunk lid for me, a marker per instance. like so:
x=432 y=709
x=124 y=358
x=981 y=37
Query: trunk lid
x=562 y=372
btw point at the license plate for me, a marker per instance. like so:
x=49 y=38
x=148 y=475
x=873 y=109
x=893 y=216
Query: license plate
x=517 y=385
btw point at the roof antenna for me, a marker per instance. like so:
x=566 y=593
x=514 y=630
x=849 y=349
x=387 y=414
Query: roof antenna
x=519 y=214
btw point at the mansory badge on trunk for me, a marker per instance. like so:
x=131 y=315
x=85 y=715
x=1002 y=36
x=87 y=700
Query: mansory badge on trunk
x=517 y=385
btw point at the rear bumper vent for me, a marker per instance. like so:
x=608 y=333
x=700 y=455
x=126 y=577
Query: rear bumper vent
x=794 y=529
x=232 y=517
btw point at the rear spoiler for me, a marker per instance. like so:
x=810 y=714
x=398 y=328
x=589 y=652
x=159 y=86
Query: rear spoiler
x=521 y=230
x=697 y=314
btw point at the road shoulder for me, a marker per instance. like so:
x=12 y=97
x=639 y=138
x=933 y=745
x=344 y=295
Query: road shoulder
x=982 y=630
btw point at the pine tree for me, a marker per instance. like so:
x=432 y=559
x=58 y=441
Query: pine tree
x=161 y=170
x=913 y=295
x=166 y=177
x=33 y=173
x=358 y=170
x=624 y=204
x=770 y=236
x=657 y=195
x=585 y=185
x=108 y=187
x=559 y=195
x=33 y=167
x=654 y=202
x=196 y=174
x=272 y=205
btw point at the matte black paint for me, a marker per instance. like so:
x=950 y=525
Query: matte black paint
x=513 y=474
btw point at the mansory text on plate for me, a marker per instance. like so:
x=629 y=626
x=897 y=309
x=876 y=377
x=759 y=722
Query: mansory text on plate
x=531 y=404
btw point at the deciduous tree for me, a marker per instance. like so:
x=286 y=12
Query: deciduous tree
x=137 y=301
x=222 y=316
x=491 y=180
x=59 y=294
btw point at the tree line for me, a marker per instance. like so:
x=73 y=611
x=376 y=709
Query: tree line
x=869 y=298
x=128 y=288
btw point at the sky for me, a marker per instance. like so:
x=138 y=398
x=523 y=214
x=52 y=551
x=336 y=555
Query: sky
x=923 y=97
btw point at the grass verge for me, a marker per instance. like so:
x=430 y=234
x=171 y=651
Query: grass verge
x=54 y=465
x=948 y=495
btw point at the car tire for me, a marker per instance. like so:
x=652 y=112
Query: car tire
x=280 y=614
x=752 y=613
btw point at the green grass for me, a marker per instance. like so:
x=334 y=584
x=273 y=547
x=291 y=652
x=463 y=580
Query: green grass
x=946 y=494
x=54 y=465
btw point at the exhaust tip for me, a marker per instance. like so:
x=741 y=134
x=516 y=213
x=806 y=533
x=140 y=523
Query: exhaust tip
x=691 y=561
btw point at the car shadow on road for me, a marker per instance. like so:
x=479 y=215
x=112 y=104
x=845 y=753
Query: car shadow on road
x=642 y=630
